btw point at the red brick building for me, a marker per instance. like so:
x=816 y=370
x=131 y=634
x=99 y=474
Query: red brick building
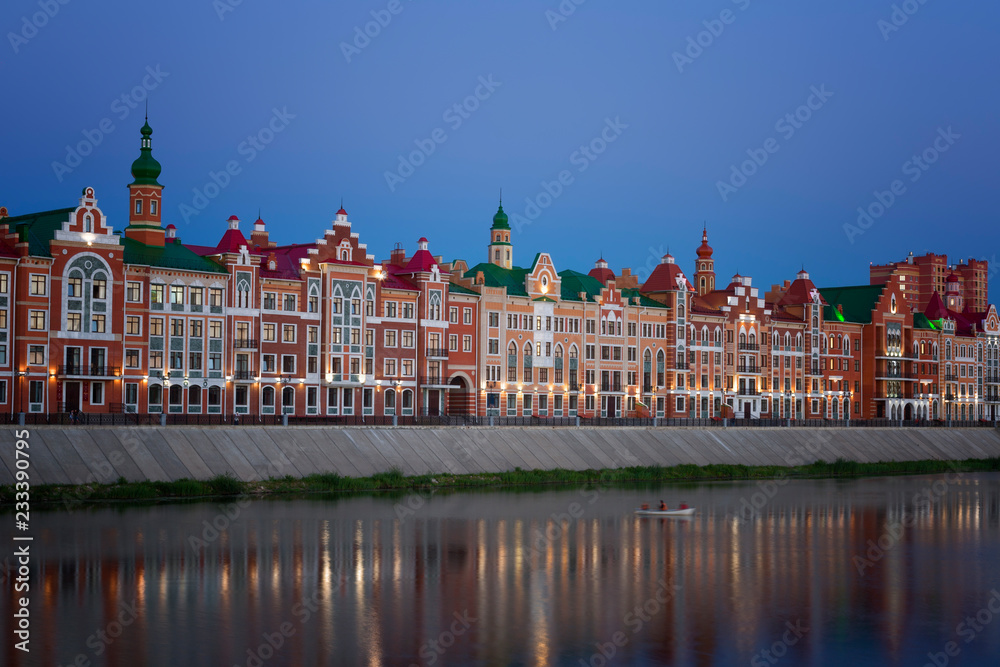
x=136 y=320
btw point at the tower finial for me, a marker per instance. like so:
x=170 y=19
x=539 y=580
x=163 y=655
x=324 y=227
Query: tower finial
x=501 y=195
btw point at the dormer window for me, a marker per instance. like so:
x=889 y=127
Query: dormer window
x=138 y=207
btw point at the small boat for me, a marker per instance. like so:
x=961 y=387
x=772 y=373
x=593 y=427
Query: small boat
x=684 y=512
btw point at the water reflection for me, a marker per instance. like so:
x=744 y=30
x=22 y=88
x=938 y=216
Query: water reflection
x=862 y=569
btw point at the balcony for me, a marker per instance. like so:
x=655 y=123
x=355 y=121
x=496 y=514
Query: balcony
x=745 y=391
x=611 y=386
x=681 y=365
x=574 y=385
x=752 y=347
x=433 y=380
x=748 y=369
x=991 y=378
x=815 y=370
x=246 y=343
x=243 y=375
x=347 y=378
x=437 y=352
x=647 y=388
x=89 y=370
x=949 y=377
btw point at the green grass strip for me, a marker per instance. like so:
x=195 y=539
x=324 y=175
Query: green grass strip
x=394 y=480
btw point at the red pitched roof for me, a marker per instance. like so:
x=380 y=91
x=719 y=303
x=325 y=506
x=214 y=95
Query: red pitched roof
x=800 y=292
x=603 y=274
x=231 y=241
x=664 y=279
x=936 y=309
x=422 y=260
x=395 y=281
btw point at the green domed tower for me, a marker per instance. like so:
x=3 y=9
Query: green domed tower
x=145 y=195
x=500 y=249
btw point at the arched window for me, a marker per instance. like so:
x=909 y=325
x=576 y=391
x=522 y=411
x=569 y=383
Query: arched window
x=718 y=335
x=88 y=224
x=407 y=399
x=753 y=339
x=390 y=401
x=788 y=339
x=155 y=394
x=194 y=395
x=288 y=397
x=680 y=311
x=267 y=396
x=214 y=395
x=743 y=338
x=176 y=395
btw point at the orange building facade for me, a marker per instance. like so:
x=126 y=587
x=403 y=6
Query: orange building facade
x=99 y=320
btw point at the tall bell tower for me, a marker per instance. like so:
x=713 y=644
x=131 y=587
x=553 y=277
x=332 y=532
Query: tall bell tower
x=500 y=250
x=704 y=269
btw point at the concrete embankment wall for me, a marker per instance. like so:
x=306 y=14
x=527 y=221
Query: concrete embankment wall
x=80 y=455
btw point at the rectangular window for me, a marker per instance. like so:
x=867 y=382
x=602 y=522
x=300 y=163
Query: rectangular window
x=408 y=367
x=408 y=311
x=36 y=355
x=494 y=318
x=74 y=287
x=196 y=295
x=269 y=301
x=131 y=358
x=390 y=309
x=176 y=361
x=38 y=284
x=37 y=320
x=156 y=326
x=407 y=339
x=336 y=336
x=355 y=306
x=288 y=363
x=196 y=329
x=3 y=319
x=288 y=333
x=313 y=334
x=138 y=207
x=194 y=361
x=177 y=294
x=156 y=293
x=289 y=303
x=268 y=363
x=269 y=332
x=390 y=367
x=133 y=325
x=215 y=297
x=177 y=327
x=3 y=290
x=133 y=292
x=313 y=304
x=74 y=322
x=99 y=289
x=215 y=329
x=453 y=342
x=152 y=207
x=390 y=338
x=453 y=314
x=467 y=316
x=215 y=362
x=155 y=359
x=467 y=343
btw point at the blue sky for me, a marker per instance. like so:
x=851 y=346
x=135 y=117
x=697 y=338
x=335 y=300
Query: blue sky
x=666 y=98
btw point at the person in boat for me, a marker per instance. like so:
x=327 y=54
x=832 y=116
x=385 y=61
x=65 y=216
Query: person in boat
x=684 y=506
x=663 y=506
x=645 y=506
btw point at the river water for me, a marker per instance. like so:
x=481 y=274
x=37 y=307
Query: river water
x=878 y=571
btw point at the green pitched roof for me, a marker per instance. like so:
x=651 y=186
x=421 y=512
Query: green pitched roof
x=38 y=229
x=920 y=321
x=643 y=300
x=574 y=282
x=455 y=288
x=857 y=301
x=497 y=276
x=170 y=256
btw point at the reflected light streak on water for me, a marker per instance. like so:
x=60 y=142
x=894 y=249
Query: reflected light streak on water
x=542 y=590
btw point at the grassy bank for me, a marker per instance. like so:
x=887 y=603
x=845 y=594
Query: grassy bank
x=394 y=480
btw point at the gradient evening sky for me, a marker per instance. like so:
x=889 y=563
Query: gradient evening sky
x=650 y=190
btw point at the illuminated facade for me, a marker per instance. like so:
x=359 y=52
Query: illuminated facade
x=138 y=321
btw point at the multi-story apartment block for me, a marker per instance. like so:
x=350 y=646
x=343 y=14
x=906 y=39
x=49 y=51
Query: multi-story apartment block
x=135 y=320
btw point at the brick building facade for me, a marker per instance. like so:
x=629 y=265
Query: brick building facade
x=104 y=321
